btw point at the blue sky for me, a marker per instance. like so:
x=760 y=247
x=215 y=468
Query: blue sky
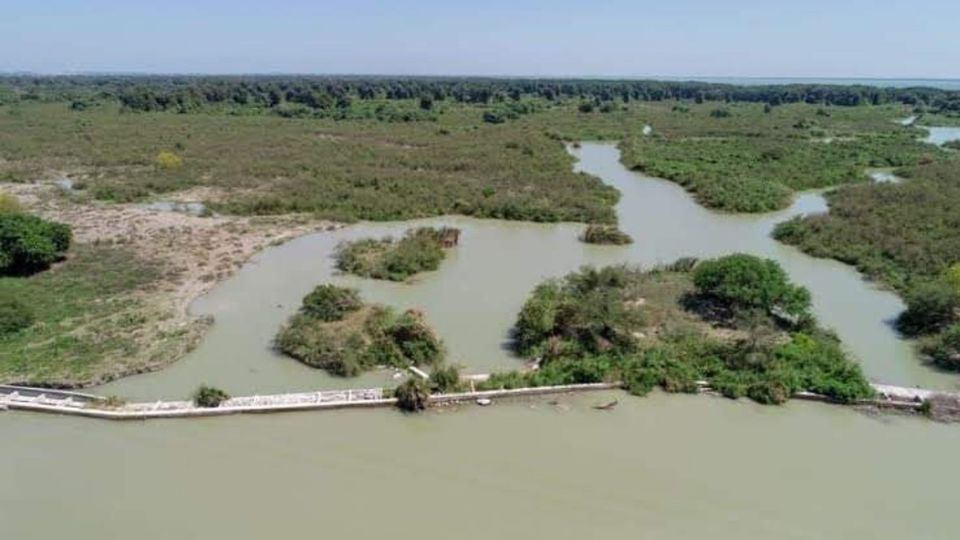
x=738 y=38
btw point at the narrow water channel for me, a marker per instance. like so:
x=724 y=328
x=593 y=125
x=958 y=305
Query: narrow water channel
x=665 y=466
x=474 y=297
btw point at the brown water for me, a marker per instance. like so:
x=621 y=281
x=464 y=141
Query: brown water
x=659 y=467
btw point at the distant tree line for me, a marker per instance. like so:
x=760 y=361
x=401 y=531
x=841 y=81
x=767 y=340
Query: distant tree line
x=189 y=93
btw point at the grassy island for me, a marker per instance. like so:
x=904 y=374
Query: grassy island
x=334 y=330
x=735 y=322
x=419 y=250
x=605 y=234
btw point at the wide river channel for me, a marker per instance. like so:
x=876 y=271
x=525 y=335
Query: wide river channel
x=665 y=466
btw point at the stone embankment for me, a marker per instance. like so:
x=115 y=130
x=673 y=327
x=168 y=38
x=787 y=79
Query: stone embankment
x=79 y=404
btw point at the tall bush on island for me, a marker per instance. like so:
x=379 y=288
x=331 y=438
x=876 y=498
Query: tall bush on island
x=29 y=244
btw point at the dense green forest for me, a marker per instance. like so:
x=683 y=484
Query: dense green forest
x=331 y=93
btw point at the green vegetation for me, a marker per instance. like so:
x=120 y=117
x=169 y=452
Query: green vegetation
x=445 y=379
x=413 y=395
x=329 y=96
x=751 y=161
x=9 y=204
x=89 y=318
x=420 y=250
x=29 y=244
x=360 y=339
x=352 y=148
x=906 y=235
x=344 y=170
x=209 y=397
x=605 y=234
x=14 y=316
x=899 y=233
x=931 y=307
x=330 y=303
x=651 y=329
x=744 y=282
x=943 y=349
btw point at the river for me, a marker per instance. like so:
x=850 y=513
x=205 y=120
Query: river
x=662 y=467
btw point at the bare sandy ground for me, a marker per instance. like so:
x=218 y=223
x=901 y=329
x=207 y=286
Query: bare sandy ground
x=194 y=253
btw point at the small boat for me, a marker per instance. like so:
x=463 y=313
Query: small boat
x=607 y=406
x=483 y=402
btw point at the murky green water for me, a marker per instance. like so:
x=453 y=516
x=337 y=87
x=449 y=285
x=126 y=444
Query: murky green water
x=659 y=467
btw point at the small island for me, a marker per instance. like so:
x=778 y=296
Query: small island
x=419 y=250
x=334 y=330
x=735 y=323
x=605 y=234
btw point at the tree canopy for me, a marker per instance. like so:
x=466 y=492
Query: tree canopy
x=29 y=243
x=749 y=282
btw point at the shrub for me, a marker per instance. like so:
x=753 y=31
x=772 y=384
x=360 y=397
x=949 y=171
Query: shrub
x=748 y=282
x=330 y=303
x=29 y=243
x=167 y=160
x=14 y=316
x=605 y=234
x=420 y=250
x=9 y=204
x=944 y=349
x=931 y=306
x=209 y=397
x=413 y=395
x=445 y=379
x=585 y=311
x=416 y=341
x=493 y=117
x=362 y=339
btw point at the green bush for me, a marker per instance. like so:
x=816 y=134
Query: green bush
x=29 y=243
x=605 y=234
x=585 y=311
x=14 y=316
x=413 y=395
x=209 y=397
x=362 y=339
x=748 y=282
x=931 y=306
x=330 y=303
x=445 y=379
x=420 y=250
x=944 y=349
